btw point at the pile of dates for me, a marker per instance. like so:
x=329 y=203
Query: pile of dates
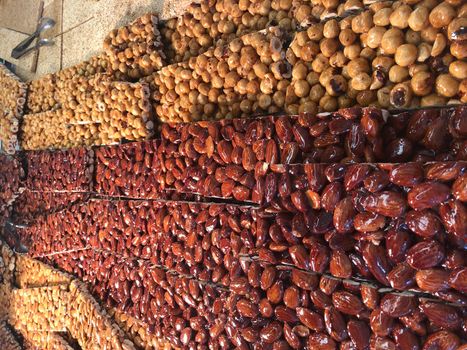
x=237 y=234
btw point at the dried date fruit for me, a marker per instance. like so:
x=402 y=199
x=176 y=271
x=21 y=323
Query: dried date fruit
x=428 y=195
x=397 y=305
x=406 y=175
x=347 y=303
x=425 y=255
x=310 y=319
x=424 y=223
x=359 y=333
x=441 y=315
x=402 y=277
x=432 y=280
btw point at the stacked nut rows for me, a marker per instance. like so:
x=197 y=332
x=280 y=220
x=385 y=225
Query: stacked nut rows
x=232 y=80
x=94 y=111
x=136 y=50
x=12 y=100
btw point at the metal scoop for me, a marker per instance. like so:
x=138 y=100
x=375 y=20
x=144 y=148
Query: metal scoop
x=22 y=48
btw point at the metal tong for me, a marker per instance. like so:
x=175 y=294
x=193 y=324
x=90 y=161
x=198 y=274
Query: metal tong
x=23 y=48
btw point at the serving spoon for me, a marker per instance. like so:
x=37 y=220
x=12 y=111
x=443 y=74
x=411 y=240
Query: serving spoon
x=22 y=48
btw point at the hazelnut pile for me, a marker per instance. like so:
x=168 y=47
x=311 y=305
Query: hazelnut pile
x=392 y=55
x=95 y=111
x=46 y=93
x=41 y=94
x=244 y=77
x=210 y=23
x=12 y=100
x=308 y=11
x=136 y=50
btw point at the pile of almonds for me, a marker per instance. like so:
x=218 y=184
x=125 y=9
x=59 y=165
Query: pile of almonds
x=12 y=101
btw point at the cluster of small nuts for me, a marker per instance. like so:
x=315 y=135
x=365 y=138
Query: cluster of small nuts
x=96 y=111
x=393 y=55
x=7 y=267
x=7 y=339
x=61 y=171
x=12 y=101
x=41 y=95
x=248 y=75
x=136 y=50
x=49 y=92
x=229 y=157
x=49 y=130
x=97 y=64
x=208 y=23
x=307 y=12
x=31 y=204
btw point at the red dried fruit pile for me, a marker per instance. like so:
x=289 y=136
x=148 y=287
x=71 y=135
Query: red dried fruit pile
x=227 y=158
x=56 y=171
x=344 y=252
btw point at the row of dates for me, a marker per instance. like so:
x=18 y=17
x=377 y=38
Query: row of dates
x=267 y=307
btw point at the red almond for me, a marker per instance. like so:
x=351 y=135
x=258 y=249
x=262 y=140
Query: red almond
x=359 y=333
x=402 y=276
x=459 y=188
x=424 y=223
x=381 y=323
x=343 y=216
x=387 y=203
x=340 y=265
x=247 y=308
x=442 y=340
x=272 y=332
x=458 y=280
x=335 y=324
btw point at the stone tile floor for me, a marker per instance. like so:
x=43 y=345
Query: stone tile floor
x=81 y=26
